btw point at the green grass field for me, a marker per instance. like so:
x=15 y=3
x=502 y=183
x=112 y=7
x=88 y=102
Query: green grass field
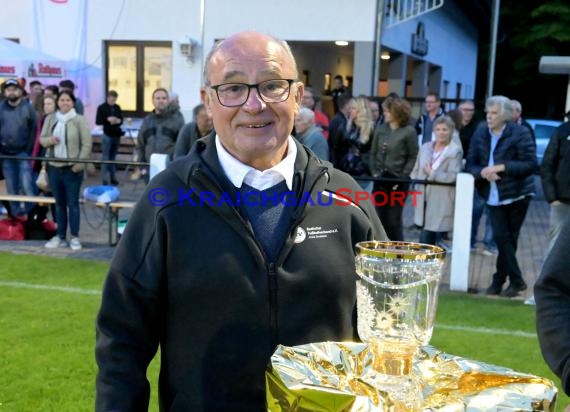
x=47 y=335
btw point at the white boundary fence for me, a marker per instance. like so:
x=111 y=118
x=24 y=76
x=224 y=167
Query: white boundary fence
x=464 y=186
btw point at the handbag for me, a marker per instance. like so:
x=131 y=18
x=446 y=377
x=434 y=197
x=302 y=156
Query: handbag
x=42 y=182
x=12 y=228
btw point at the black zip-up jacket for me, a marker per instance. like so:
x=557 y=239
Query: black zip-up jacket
x=555 y=168
x=105 y=110
x=552 y=294
x=515 y=149
x=194 y=280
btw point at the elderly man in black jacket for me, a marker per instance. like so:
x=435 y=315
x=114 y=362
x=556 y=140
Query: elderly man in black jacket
x=218 y=282
x=502 y=158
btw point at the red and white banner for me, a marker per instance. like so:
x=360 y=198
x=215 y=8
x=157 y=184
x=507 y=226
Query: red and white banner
x=46 y=69
x=36 y=69
x=9 y=70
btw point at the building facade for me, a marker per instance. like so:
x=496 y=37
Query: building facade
x=135 y=46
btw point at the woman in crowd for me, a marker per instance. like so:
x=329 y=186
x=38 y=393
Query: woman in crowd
x=437 y=161
x=357 y=140
x=46 y=106
x=66 y=135
x=393 y=154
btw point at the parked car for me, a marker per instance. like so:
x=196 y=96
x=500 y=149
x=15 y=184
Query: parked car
x=543 y=130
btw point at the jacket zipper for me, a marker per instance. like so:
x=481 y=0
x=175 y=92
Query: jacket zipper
x=273 y=308
x=271 y=266
x=272 y=276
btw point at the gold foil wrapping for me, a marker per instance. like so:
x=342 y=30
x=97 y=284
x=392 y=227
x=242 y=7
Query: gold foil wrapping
x=335 y=377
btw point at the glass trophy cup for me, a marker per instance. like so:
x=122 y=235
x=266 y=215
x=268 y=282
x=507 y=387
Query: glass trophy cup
x=396 y=303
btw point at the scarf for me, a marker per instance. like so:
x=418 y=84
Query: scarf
x=437 y=158
x=60 y=149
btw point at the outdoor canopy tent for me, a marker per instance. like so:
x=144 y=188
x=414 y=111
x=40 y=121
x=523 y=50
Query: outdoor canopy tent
x=20 y=61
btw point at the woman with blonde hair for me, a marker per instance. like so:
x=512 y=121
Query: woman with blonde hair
x=438 y=161
x=358 y=139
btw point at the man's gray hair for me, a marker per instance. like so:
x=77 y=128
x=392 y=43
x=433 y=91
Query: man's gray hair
x=517 y=107
x=505 y=105
x=218 y=44
x=307 y=114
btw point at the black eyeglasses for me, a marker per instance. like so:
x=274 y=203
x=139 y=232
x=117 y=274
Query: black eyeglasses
x=236 y=94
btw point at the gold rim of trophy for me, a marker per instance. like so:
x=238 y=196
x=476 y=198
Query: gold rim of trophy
x=400 y=250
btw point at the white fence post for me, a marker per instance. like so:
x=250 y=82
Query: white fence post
x=464 y=186
x=158 y=163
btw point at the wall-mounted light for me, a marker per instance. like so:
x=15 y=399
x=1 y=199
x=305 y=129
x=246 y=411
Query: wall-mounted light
x=341 y=43
x=385 y=55
x=189 y=50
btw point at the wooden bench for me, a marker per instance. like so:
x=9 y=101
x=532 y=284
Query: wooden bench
x=112 y=208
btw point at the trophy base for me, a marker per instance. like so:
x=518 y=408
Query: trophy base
x=393 y=375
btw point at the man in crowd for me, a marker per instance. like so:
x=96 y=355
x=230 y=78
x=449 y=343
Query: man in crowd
x=518 y=119
x=469 y=124
x=338 y=130
x=219 y=285
x=309 y=134
x=424 y=125
x=17 y=136
x=337 y=91
x=35 y=90
x=159 y=129
x=110 y=116
x=321 y=119
x=201 y=126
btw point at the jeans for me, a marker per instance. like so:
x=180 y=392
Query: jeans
x=18 y=176
x=65 y=186
x=430 y=238
x=391 y=214
x=507 y=222
x=110 y=149
x=480 y=207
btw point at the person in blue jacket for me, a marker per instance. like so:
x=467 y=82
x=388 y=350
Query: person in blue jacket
x=502 y=159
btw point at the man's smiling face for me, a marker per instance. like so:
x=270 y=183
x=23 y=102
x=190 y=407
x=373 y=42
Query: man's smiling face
x=255 y=133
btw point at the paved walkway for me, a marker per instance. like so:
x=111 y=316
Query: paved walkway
x=532 y=242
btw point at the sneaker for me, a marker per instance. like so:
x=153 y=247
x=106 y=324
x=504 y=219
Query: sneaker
x=489 y=252
x=445 y=246
x=114 y=182
x=55 y=242
x=530 y=301
x=75 y=243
